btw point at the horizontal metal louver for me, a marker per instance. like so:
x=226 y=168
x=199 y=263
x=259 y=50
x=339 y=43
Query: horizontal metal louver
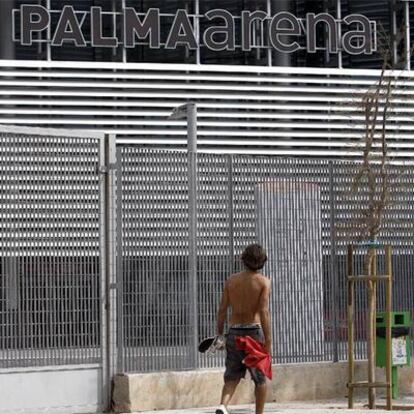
x=242 y=109
x=49 y=194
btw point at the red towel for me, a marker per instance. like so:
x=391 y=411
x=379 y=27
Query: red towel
x=256 y=355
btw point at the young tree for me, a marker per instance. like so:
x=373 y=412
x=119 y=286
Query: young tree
x=372 y=187
x=372 y=184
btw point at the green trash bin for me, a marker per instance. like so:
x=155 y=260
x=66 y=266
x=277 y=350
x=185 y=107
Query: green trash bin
x=400 y=340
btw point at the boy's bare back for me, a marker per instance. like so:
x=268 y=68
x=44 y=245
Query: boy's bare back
x=246 y=292
x=247 y=295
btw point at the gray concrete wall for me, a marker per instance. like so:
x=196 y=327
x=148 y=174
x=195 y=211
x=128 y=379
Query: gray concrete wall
x=296 y=382
x=59 y=389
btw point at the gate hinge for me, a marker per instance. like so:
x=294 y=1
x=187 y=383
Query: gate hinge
x=104 y=169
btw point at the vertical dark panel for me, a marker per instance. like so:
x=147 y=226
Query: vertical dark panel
x=381 y=12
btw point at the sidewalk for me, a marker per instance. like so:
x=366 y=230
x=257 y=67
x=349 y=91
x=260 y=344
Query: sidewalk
x=312 y=407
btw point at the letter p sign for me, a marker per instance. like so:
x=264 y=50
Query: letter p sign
x=33 y=19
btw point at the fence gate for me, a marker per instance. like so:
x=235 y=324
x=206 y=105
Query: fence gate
x=52 y=280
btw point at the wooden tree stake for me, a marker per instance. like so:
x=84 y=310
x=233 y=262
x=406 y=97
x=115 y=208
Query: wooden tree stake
x=371 y=278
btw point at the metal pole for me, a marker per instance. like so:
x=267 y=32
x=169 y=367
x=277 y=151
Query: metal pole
x=197 y=29
x=388 y=340
x=333 y=267
x=110 y=261
x=339 y=16
x=269 y=50
x=372 y=335
x=114 y=10
x=327 y=53
x=49 y=36
x=103 y=234
x=119 y=265
x=231 y=214
x=407 y=37
x=192 y=204
x=281 y=58
x=124 y=53
x=351 y=367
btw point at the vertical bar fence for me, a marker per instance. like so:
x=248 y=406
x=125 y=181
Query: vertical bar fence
x=297 y=208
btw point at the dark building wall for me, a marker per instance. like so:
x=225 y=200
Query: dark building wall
x=412 y=33
x=6 y=44
x=379 y=10
x=33 y=52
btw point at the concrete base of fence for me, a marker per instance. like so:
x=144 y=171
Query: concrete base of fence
x=175 y=390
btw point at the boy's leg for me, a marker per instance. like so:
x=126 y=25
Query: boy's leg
x=228 y=391
x=235 y=369
x=260 y=392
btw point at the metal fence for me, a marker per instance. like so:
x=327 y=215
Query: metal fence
x=50 y=303
x=53 y=255
x=56 y=268
x=291 y=206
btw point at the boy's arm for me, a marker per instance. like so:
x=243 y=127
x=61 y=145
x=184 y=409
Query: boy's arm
x=222 y=311
x=265 y=315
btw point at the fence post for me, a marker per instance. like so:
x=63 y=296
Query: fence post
x=333 y=265
x=103 y=234
x=230 y=213
x=192 y=204
x=108 y=263
x=119 y=264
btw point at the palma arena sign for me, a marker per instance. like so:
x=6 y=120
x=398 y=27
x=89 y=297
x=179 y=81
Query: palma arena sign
x=354 y=34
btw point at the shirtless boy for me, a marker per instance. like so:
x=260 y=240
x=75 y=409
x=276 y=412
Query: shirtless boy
x=247 y=295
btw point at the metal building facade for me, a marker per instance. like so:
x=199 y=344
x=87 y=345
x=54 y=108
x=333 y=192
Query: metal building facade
x=266 y=110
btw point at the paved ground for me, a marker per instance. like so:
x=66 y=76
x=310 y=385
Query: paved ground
x=313 y=407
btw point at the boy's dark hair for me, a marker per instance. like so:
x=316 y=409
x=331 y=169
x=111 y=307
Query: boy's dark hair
x=254 y=257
